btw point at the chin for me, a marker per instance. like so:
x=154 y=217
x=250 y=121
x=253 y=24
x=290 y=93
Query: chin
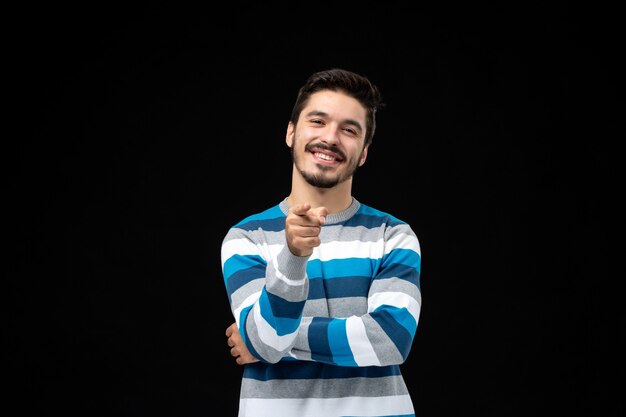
x=319 y=181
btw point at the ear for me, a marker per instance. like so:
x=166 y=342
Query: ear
x=363 y=155
x=291 y=131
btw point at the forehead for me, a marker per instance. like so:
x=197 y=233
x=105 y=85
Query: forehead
x=336 y=104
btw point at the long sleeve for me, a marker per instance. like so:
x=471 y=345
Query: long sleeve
x=384 y=334
x=354 y=302
x=266 y=285
x=331 y=329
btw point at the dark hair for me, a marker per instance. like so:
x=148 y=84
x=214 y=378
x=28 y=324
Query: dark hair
x=353 y=84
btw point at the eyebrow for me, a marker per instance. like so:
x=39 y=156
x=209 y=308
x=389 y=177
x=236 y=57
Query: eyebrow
x=350 y=122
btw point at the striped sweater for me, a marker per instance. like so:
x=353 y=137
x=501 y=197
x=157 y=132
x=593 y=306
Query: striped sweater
x=331 y=330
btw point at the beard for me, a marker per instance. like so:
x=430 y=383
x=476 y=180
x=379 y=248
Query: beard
x=321 y=180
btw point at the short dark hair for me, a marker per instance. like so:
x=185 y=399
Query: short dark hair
x=351 y=83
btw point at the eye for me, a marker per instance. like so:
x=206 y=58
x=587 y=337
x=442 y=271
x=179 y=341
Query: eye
x=317 y=121
x=350 y=131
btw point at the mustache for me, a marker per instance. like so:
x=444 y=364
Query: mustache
x=311 y=146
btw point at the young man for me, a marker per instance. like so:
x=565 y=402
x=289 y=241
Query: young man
x=324 y=289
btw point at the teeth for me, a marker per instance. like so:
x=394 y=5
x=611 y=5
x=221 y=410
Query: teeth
x=324 y=156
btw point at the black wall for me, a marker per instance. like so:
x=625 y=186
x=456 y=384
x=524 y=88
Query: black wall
x=142 y=135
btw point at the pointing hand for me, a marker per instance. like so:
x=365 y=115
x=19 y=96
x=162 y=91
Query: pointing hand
x=302 y=228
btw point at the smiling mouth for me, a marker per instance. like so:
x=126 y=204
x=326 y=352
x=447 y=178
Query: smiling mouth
x=326 y=155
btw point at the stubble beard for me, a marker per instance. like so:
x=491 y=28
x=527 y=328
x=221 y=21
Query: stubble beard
x=321 y=180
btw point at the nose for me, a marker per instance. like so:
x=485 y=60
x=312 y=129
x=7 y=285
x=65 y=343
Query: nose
x=331 y=133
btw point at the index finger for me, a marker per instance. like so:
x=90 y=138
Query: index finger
x=321 y=213
x=229 y=330
x=300 y=209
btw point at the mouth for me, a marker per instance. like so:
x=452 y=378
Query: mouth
x=326 y=156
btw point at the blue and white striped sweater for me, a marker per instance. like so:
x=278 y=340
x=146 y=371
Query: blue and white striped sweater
x=339 y=322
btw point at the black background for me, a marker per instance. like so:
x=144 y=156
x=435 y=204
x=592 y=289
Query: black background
x=143 y=134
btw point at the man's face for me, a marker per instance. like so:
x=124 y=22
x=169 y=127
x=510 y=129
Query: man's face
x=327 y=145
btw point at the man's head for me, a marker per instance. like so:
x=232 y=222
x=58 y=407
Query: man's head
x=348 y=82
x=332 y=126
